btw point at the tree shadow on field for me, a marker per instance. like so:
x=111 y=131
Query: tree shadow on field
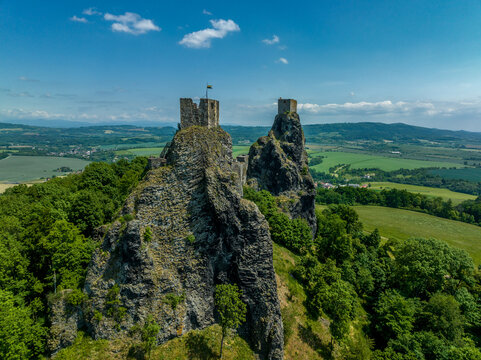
x=314 y=341
x=198 y=347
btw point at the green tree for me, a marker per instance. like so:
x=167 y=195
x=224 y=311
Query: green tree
x=69 y=253
x=20 y=337
x=426 y=266
x=232 y=310
x=149 y=335
x=333 y=241
x=442 y=315
x=394 y=315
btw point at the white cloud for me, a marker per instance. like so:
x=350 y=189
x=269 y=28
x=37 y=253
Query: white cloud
x=275 y=40
x=41 y=114
x=131 y=23
x=30 y=114
x=91 y=11
x=282 y=61
x=202 y=38
x=205 y=12
x=385 y=107
x=75 y=18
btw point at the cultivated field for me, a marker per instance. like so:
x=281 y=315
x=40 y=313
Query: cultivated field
x=456 y=197
x=4 y=187
x=150 y=151
x=361 y=161
x=404 y=224
x=25 y=168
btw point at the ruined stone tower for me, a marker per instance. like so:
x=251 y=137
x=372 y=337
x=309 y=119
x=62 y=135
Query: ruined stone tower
x=286 y=106
x=206 y=114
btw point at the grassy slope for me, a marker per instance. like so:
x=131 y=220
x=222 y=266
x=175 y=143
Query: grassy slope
x=403 y=224
x=25 y=168
x=196 y=344
x=446 y=194
x=310 y=339
x=358 y=161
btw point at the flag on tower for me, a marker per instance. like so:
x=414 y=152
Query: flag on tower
x=209 y=86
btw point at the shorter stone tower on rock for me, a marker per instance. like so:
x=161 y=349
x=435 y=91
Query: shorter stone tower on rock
x=206 y=114
x=286 y=106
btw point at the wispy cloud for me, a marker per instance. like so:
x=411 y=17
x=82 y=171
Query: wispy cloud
x=131 y=23
x=282 y=61
x=75 y=18
x=24 y=78
x=202 y=38
x=205 y=12
x=373 y=108
x=93 y=117
x=91 y=11
x=23 y=94
x=275 y=40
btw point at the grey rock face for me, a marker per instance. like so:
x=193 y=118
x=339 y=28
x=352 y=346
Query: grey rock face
x=278 y=163
x=191 y=231
x=65 y=319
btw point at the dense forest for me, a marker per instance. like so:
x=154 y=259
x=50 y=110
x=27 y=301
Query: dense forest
x=46 y=242
x=417 y=299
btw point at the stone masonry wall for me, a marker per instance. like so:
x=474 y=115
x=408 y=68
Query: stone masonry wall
x=206 y=114
x=189 y=114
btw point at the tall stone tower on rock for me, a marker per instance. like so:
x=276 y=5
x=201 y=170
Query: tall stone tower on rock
x=278 y=163
x=206 y=114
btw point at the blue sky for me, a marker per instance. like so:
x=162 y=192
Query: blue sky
x=417 y=62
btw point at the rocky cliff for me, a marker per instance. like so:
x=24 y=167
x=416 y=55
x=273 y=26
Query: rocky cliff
x=278 y=163
x=185 y=229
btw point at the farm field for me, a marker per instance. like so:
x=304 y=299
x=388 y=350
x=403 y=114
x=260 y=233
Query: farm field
x=404 y=224
x=155 y=151
x=4 y=187
x=26 y=168
x=456 y=197
x=360 y=161
x=240 y=150
x=469 y=174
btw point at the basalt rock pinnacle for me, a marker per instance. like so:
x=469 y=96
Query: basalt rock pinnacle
x=278 y=163
x=190 y=230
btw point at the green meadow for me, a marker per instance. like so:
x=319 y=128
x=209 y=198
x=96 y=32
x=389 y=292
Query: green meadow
x=456 y=197
x=26 y=168
x=240 y=150
x=404 y=224
x=149 y=151
x=361 y=161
